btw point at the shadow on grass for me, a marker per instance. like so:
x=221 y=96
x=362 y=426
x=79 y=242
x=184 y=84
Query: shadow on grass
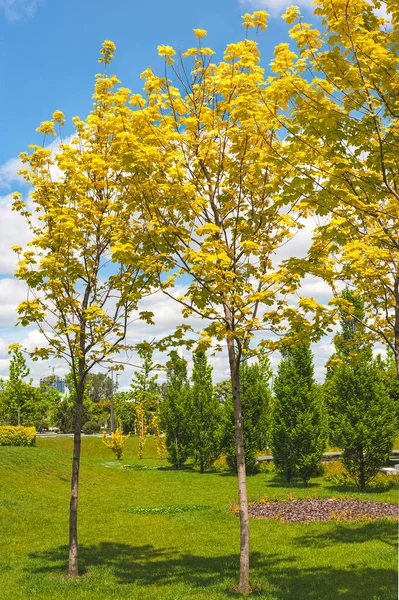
x=279 y=576
x=353 y=489
x=356 y=533
x=279 y=481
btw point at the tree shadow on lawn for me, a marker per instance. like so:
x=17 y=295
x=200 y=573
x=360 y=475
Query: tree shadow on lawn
x=352 y=533
x=279 y=481
x=277 y=574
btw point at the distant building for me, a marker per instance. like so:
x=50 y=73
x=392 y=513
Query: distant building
x=55 y=382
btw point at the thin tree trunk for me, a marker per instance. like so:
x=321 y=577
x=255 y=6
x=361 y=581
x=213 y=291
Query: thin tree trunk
x=244 y=585
x=112 y=416
x=362 y=474
x=19 y=416
x=73 y=568
x=396 y=333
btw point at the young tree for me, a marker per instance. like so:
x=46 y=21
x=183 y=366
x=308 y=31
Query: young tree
x=365 y=423
x=3 y=403
x=345 y=94
x=299 y=422
x=349 y=342
x=145 y=393
x=175 y=411
x=362 y=413
x=81 y=308
x=125 y=411
x=209 y=173
x=16 y=390
x=205 y=413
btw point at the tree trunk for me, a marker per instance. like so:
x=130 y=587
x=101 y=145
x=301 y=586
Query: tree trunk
x=19 y=416
x=362 y=473
x=112 y=416
x=396 y=331
x=73 y=570
x=244 y=585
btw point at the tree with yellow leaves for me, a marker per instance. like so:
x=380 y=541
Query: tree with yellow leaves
x=207 y=170
x=80 y=301
x=116 y=442
x=344 y=116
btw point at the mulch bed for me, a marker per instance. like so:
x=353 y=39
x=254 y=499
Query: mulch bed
x=301 y=511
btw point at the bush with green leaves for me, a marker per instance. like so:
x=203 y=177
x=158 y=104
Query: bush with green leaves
x=91 y=427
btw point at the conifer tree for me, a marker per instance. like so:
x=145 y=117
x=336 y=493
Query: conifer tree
x=15 y=384
x=205 y=413
x=299 y=420
x=255 y=398
x=362 y=411
x=365 y=418
x=175 y=411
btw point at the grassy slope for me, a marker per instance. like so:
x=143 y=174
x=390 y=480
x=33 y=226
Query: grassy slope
x=188 y=555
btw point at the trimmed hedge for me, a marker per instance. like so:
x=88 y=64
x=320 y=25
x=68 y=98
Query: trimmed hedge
x=17 y=436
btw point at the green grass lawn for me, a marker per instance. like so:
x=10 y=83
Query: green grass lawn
x=179 y=553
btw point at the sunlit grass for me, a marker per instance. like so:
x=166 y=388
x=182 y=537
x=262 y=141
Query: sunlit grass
x=137 y=542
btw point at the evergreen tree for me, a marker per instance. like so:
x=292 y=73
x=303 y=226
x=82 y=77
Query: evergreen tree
x=365 y=418
x=299 y=419
x=362 y=411
x=255 y=399
x=175 y=411
x=205 y=413
x=16 y=390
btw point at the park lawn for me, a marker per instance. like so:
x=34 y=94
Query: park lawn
x=175 y=554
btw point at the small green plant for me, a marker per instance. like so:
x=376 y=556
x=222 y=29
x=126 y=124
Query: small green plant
x=116 y=442
x=266 y=466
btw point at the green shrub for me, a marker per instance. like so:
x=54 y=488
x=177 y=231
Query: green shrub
x=11 y=435
x=266 y=466
x=91 y=427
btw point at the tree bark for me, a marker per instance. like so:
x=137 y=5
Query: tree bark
x=396 y=333
x=244 y=585
x=73 y=567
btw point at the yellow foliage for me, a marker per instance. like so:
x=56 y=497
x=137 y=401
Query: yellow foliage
x=116 y=442
x=17 y=436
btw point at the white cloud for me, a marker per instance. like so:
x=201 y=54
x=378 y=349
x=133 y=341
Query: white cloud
x=17 y=10
x=12 y=293
x=8 y=171
x=13 y=232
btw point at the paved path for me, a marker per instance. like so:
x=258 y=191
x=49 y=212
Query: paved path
x=326 y=456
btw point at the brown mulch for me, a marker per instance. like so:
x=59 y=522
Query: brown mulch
x=301 y=511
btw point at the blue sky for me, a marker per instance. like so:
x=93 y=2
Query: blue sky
x=49 y=52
